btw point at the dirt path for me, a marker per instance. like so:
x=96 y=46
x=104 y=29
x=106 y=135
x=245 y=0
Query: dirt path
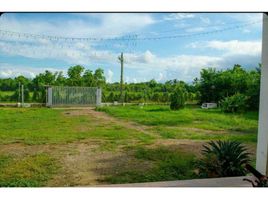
x=107 y=119
x=83 y=162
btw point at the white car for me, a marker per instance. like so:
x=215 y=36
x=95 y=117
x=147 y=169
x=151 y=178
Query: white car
x=208 y=105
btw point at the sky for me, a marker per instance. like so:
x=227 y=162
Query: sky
x=160 y=46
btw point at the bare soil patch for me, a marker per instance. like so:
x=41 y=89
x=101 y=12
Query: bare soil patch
x=81 y=163
x=107 y=119
x=190 y=146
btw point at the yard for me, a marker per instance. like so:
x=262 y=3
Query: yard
x=81 y=147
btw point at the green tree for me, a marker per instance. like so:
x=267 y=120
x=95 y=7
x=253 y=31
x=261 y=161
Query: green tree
x=75 y=75
x=234 y=103
x=60 y=79
x=40 y=82
x=178 y=98
x=99 y=77
x=88 y=78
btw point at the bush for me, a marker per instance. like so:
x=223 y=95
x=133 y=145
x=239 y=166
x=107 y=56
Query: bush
x=235 y=103
x=223 y=159
x=178 y=98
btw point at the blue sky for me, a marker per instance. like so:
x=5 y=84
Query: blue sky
x=160 y=46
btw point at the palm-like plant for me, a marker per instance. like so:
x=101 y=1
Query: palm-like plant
x=223 y=159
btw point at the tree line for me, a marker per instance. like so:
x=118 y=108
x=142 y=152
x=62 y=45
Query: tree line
x=235 y=89
x=228 y=87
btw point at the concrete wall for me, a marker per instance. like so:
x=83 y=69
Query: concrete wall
x=262 y=147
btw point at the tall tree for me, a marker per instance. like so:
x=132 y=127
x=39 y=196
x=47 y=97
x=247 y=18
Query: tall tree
x=75 y=75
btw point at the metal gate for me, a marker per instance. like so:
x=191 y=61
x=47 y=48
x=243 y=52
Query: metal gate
x=73 y=96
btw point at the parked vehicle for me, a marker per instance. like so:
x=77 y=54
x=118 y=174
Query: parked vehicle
x=208 y=105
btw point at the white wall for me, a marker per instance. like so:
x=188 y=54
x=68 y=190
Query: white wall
x=262 y=147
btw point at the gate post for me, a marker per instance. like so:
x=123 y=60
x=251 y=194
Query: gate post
x=49 y=97
x=98 y=97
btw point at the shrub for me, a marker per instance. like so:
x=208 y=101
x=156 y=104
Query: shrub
x=235 y=103
x=178 y=98
x=223 y=159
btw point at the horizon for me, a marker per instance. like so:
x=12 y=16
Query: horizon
x=159 y=82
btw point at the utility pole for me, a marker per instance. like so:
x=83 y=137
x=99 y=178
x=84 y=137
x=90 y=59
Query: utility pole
x=121 y=59
x=22 y=95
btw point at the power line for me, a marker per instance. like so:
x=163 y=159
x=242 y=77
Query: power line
x=206 y=26
x=197 y=34
x=66 y=39
x=134 y=37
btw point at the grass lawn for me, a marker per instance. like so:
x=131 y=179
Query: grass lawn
x=71 y=147
x=4 y=95
x=44 y=126
x=191 y=123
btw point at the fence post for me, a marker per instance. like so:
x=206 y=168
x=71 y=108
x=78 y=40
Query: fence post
x=98 y=97
x=49 y=97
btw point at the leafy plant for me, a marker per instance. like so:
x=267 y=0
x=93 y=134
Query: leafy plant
x=178 y=98
x=223 y=159
x=235 y=103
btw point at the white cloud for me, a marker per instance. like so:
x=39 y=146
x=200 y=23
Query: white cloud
x=146 y=57
x=246 y=17
x=245 y=53
x=109 y=76
x=74 y=53
x=110 y=24
x=205 y=20
x=234 y=47
x=178 y=16
x=185 y=61
x=127 y=79
x=160 y=77
x=148 y=65
x=195 y=29
x=7 y=70
x=184 y=67
x=135 y=80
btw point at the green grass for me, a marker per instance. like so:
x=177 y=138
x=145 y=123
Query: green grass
x=29 y=171
x=43 y=126
x=191 y=123
x=5 y=96
x=167 y=165
x=34 y=126
x=176 y=133
x=6 y=93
